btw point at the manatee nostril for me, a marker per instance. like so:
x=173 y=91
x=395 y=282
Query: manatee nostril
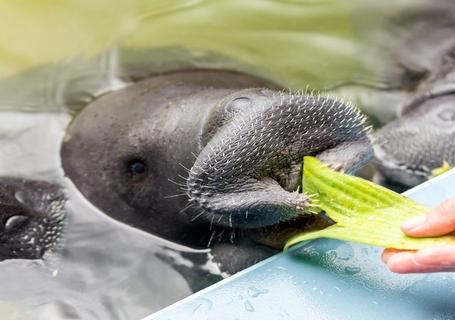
x=238 y=104
x=15 y=222
x=447 y=115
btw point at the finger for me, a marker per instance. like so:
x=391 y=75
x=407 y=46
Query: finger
x=406 y=262
x=439 y=221
x=443 y=256
x=403 y=262
x=387 y=253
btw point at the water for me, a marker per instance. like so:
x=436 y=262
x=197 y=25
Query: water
x=106 y=270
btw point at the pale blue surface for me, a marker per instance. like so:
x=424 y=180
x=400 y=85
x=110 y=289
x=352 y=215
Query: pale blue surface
x=328 y=279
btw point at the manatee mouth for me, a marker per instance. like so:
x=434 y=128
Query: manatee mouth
x=276 y=235
x=290 y=178
x=398 y=171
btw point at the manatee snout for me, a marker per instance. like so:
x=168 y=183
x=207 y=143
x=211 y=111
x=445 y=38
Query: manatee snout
x=181 y=154
x=248 y=175
x=409 y=149
x=31 y=218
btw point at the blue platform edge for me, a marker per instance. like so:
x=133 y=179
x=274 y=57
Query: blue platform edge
x=328 y=279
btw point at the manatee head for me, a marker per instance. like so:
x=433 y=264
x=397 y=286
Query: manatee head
x=410 y=148
x=32 y=216
x=422 y=139
x=182 y=154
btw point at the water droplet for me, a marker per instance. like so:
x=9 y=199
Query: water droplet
x=331 y=255
x=352 y=270
x=248 y=306
x=255 y=292
x=202 y=306
x=344 y=252
x=20 y=196
x=280 y=268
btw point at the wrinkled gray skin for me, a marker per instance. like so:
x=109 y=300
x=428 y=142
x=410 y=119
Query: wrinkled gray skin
x=418 y=72
x=189 y=155
x=423 y=136
x=32 y=218
x=410 y=148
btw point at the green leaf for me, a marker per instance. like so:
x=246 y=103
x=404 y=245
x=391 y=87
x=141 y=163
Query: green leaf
x=363 y=211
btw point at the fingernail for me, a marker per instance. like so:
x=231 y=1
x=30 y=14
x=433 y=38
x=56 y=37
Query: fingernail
x=413 y=223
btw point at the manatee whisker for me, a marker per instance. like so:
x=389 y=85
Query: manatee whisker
x=211 y=238
x=175 y=195
x=231 y=238
x=186 y=208
x=177 y=183
x=180 y=164
x=211 y=221
x=182 y=177
x=198 y=215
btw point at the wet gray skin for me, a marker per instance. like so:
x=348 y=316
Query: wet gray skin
x=416 y=98
x=190 y=155
x=32 y=218
x=410 y=148
x=423 y=137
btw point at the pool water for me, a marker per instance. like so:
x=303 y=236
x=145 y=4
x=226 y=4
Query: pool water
x=62 y=56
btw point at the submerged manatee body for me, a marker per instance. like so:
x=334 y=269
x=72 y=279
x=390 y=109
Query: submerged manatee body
x=185 y=154
x=32 y=218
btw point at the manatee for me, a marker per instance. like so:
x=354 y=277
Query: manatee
x=32 y=218
x=188 y=155
x=413 y=93
x=422 y=138
x=409 y=149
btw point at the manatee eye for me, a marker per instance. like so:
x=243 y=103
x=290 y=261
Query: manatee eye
x=137 y=168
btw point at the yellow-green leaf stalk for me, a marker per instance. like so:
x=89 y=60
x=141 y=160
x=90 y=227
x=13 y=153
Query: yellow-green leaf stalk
x=445 y=167
x=364 y=212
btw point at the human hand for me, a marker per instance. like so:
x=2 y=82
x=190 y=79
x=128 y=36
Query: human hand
x=437 y=222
